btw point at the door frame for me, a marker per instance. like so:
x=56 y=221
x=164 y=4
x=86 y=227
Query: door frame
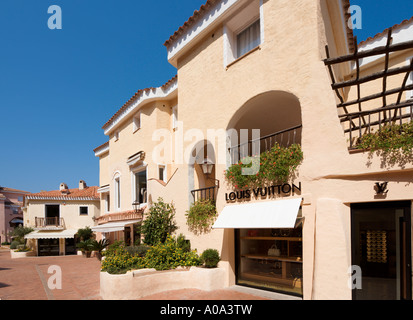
x=407 y=257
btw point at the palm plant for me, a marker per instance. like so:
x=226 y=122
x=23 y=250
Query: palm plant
x=99 y=246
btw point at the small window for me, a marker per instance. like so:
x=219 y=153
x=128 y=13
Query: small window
x=83 y=211
x=175 y=117
x=20 y=199
x=137 y=122
x=108 y=202
x=162 y=173
x=249 y=39
x=117 y=193
x=140 y=187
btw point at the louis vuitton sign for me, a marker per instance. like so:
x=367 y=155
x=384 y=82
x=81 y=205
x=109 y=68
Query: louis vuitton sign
x=264 y=192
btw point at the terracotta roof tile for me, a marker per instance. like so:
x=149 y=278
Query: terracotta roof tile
x=88 y=192
x=195 y=17
x=384 y=32
x=12 y=190
x=135 y=96
x=101 y=146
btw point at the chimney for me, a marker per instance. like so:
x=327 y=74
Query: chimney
x=63 y=186
x=82 y=185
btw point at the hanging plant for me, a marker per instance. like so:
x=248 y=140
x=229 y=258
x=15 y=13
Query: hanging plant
x=275 y=165
x=393 y=142
x=201 y=216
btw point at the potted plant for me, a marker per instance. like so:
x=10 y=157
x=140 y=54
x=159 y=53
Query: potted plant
x=201 y=216
x=99 y=246
x=86 y=247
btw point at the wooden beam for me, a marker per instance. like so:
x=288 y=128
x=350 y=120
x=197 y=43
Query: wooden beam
x=369 y=53
x=378 y=95
x=375 y=76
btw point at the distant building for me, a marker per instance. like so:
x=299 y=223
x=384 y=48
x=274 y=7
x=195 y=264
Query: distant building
x=56 y=216
x=11 y=214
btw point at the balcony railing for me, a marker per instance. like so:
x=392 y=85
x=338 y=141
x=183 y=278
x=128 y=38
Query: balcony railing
x=53 y=223
x=284 y=138
x=121 y=216
x=360 y=123
x=205 y=194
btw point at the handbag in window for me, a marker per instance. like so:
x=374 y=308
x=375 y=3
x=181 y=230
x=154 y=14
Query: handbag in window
x=274 y=251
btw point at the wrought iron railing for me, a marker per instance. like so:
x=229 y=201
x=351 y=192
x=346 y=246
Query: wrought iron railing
x=284 y=138
x=205 y=194
x=358 y=124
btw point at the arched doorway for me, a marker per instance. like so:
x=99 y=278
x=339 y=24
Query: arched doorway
x=202 y=172
x=268 y=118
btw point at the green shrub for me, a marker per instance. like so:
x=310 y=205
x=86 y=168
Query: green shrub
x=393 y=141
x=163 y=256
x=168 y=256
x=85 y=233
x=14 y=244
x=139 y=250
x=183 y=243
x=201 y=216
x=210 y=258
x=158 y=223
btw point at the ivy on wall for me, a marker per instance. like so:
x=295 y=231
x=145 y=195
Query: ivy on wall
x=201 y=216
x=393 y=142
x=275 y=165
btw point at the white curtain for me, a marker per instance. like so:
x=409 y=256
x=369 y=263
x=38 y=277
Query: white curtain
x=249 y=39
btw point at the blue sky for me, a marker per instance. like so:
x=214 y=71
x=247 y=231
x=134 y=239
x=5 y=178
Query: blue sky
x=58 y=87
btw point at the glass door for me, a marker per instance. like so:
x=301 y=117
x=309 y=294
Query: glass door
x=381 y=247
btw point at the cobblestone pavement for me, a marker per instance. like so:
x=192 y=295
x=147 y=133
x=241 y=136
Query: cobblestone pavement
x=27 y=279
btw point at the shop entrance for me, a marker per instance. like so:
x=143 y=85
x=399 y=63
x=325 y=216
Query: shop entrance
x=48 y=247
x=270 y=259
x=381 y=247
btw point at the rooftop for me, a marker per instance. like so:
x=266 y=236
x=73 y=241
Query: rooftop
x=88 y=193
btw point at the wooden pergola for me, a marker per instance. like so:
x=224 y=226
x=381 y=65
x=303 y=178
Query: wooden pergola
x=365 y=120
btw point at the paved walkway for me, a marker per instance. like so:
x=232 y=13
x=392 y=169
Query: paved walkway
x=27 y=279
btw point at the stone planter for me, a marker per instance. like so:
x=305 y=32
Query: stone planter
x=19 y=255
x=140 y=283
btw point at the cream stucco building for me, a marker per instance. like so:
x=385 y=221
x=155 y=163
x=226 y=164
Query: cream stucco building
x=263 y=64
x=56 y=216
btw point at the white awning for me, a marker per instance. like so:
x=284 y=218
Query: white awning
x=280 y=214
x=65 y=234
x=114 y=226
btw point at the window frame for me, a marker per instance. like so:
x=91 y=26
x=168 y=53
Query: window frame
x=236 y=24
x=117 y=192
x=134 y=172
x=80 y=210
x=237 y=39
x=165 y=172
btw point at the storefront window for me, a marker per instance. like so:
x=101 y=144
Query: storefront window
x=271 y=259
